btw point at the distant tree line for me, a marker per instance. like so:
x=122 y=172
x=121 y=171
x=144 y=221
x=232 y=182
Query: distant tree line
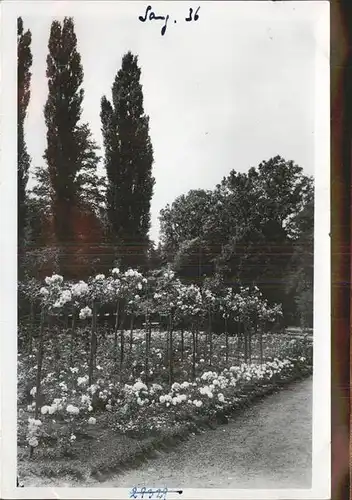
x=255 y=227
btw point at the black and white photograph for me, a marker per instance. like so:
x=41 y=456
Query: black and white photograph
x=166 y=304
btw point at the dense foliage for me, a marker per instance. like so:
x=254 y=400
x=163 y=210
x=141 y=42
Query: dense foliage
x=71 y=152
x=128 y=163
x=24 y=63
x=252 y=227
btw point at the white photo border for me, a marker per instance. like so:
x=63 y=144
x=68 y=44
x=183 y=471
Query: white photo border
x=321 y=475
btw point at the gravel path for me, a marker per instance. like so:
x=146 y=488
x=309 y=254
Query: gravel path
x=266 y=446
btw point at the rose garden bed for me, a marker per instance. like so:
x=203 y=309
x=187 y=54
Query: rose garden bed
x=118 y=425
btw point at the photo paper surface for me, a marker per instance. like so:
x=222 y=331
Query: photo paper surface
x=166 y=288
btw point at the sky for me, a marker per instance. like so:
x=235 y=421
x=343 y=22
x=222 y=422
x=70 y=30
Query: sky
x=227 y=91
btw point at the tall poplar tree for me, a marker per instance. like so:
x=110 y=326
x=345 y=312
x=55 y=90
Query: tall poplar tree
x=128 y=162
x=62 y=114
x=24 y=62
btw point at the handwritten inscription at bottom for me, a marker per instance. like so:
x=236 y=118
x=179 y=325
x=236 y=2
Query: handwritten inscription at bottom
x=152 y=493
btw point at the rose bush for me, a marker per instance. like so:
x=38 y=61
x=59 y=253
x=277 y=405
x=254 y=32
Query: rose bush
x=82 y=387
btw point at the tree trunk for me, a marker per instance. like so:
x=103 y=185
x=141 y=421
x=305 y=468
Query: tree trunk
x=245 y=344
x=52 y=335
x=31 y=326
x=170 y=353
x=40 y=355
x=182 y=344
x=73 y=335
x=122 y=348
x=227 y=341
x=93 y=346
x=131 y=331
x=239 y=341
x=31 y=313
x=66 y=320
x=250 y=344
x=116 y=329
x=167 y=345
x=194 y=347
x=147 y=337
x=122 y=351
x=256 y=329
x=150 y=334
x=210 y=339
x=262 y=330
x=122 y=343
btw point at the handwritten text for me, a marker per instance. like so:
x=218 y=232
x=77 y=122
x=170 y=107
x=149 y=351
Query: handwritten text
x=159 y=493
x=150 y=15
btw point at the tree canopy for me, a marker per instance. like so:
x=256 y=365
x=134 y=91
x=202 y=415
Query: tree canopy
x=128 y=163
x=248 y=228
x=24 y=63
